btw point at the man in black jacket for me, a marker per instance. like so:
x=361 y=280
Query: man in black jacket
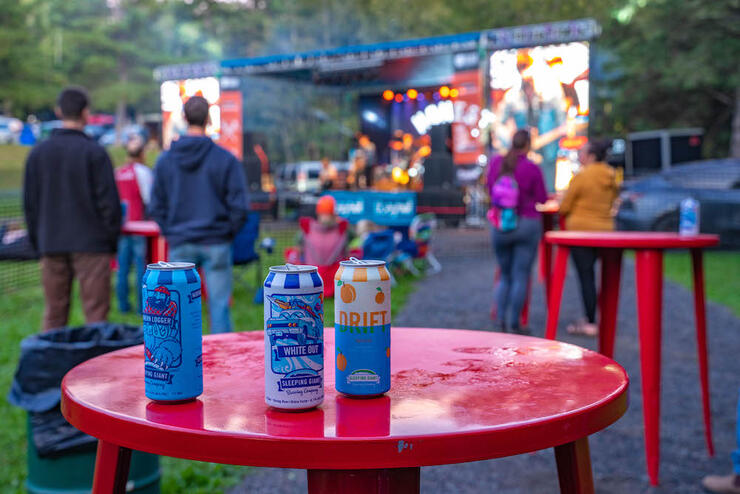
x=73 y=214
x=199 y=199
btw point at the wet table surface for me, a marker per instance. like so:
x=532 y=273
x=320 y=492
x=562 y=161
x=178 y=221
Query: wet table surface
x=456 y=396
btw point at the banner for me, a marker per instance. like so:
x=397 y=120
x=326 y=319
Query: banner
x=231 y=122
x=466 y=145
x=383 y=208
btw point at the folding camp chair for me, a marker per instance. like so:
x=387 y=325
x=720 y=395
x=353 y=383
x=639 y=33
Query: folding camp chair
x=245 y=253
x=324 y=247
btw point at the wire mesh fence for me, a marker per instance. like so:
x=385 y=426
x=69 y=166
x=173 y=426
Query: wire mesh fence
x=446 y=242
x=14 y=273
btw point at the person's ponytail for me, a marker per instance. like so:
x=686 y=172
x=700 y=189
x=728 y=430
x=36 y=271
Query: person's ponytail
x=519 y=146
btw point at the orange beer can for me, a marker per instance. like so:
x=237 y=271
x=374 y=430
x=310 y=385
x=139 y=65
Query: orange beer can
x=362 y=327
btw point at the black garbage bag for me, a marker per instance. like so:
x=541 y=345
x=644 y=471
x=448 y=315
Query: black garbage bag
x=45 y=359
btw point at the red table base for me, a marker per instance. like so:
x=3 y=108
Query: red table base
x=111 y=468
x=377 y=481
x=649 y=276
x=573 y=462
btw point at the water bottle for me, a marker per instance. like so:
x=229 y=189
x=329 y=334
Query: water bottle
x=688 y=220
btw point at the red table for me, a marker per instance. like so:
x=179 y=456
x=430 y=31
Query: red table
x=649 y=247
x=549 y=211
x=456 y=396
x=149 y=229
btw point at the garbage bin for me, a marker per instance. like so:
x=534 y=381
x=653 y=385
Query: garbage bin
x=61 y=459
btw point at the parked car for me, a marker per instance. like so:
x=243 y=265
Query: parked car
x=96 y=131
x=10 y=128
x=298 y=184
x=48 y=126
x=652 y=203
x=109 y=137
x=302 y=176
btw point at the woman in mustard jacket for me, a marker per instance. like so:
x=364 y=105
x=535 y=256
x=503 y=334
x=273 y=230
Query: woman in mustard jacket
x=588 y=206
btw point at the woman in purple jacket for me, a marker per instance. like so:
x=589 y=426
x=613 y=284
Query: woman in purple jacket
x=516 y=249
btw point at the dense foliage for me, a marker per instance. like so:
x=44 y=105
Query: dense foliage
x=673 y=62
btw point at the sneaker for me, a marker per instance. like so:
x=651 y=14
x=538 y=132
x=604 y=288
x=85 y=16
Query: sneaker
x=722 y=484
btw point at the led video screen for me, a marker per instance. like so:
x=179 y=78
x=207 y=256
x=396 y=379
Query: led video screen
x=544 y=89
x=174 y=94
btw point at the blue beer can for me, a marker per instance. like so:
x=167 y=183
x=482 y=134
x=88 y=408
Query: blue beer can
x=294 y=337
x=173 y=364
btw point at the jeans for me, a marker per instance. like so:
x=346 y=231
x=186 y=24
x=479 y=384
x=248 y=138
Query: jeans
x=515 y=252
x=736 y=454
x=131 y=249
x=585 y=258
x=217 y=262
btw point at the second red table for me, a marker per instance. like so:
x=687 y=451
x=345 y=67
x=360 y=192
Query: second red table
x=648 y=247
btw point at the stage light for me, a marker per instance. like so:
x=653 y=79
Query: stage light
x=412 y=93
x=388 y=95
x=399 y=175
x=425 y=151
x=454 y=93
x=399 y=98
x=444 y=91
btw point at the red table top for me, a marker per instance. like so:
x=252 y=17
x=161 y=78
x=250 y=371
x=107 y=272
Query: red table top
x=455 y=396
x=552 y=206
x=143 y=228
x=631 y=240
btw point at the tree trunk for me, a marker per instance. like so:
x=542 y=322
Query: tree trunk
x=735 y=135
x=121 y=104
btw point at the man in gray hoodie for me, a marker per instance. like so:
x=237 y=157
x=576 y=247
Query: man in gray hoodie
x=199 y=200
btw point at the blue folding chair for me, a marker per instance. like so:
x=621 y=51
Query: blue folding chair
x=381 y=246
x=245 y=252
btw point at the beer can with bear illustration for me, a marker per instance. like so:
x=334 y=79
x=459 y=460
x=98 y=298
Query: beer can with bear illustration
x=362 y=327
x=171 y=316
x=294 y=337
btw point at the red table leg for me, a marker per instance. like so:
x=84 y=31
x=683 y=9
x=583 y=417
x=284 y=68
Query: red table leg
x=556 y=291
x=701 y=343
x=496 y=277
x=649 y=269
x=524 y=318
x=378 y=481
x=545 y=251
x=158 y=248
x=574 y=467
x=111 y=469
x=611 y=268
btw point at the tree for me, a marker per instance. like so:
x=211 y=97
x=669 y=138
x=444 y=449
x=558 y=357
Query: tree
x=27 y=82
x=671 y=74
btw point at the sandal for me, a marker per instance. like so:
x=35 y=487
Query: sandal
x=583 y=328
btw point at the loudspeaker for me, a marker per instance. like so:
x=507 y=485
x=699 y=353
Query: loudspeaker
x=439 y=171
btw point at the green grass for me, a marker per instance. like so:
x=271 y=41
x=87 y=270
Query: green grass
x=721 y=275
x=13 y=159
x=21 y=312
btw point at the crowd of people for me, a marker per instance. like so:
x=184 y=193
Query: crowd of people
x=75 y=205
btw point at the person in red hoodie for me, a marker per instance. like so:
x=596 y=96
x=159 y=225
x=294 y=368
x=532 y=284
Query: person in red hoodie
x=134 y=182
